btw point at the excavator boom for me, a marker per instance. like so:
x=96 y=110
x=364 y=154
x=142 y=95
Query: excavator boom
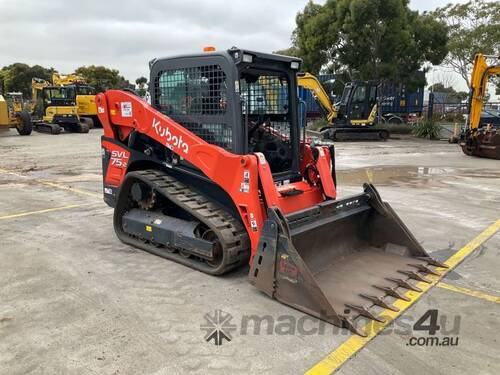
x=481 y=139
x=310 y=82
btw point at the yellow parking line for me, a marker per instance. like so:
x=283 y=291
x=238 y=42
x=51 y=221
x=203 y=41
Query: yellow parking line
x=69 y=188
x=355 y=343
x=53 y=184
x=469 y=292
x=6 y=171
x=21 y=214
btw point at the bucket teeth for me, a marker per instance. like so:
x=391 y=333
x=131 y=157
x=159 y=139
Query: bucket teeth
x=392 y=292
x=379 y=302
x=424 y=268
x=415 y=276
x=404 y=284
x=347 y=323
x=433 y=262
x=362 y=311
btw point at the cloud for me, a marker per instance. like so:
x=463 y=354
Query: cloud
x=125 y=35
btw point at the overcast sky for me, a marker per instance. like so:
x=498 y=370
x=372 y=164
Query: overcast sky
x=126 y=34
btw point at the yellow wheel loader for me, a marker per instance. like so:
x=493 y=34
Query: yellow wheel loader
x=13 y=114
x=354 y=117
x=85 y=96
x=480 y=138
x=54 y=108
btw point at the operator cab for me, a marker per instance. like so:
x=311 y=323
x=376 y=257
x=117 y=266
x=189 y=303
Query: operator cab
x=54 y=96
x=266 y=117
x=357 y=101
x=242 y=101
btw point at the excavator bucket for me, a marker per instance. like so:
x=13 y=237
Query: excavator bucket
x=337 y=260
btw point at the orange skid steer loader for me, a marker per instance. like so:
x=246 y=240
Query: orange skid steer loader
x=214 y=174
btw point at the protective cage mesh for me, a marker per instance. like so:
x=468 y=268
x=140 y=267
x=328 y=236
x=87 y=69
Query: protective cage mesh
x=266 y=97
x=194 y=97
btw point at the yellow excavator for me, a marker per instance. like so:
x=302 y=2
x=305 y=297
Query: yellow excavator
x=54 y=108
x=13 y=114
x=85 y=96
x=354 y=116
x=481 y=138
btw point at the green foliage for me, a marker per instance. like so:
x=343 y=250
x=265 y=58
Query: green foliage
x=474 y=27
x=141 y=81
x=141 y=84
x=426 y=129
x=313 y=35
x=17 y=77
x=103 y=78
x=368 y=39
x=292 y=51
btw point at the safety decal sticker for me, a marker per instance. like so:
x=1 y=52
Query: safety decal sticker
x=253 y=223
x=245 y=185
x=126 y=108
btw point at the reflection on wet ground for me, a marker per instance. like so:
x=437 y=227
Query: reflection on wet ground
x=410 y=175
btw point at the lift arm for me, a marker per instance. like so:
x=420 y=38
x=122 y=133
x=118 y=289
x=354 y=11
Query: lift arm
x=481 y=72
x=239 y=175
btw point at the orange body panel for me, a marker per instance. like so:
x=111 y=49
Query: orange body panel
x=238 y=175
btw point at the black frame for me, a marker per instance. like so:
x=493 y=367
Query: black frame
x=349 y=89
x=231 y=62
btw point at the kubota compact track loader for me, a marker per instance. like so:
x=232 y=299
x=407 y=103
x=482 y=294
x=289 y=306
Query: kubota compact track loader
x=214 y=175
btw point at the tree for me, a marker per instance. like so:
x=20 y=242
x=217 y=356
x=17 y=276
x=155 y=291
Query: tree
x=451 y=95
x=141 y=84
x=292 y=51
x=473 y=27
x=103 y=78
x=368 y=39
x=18 y=76
x=313 y=35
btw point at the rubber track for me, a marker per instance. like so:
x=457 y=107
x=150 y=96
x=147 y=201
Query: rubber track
x=230 y=232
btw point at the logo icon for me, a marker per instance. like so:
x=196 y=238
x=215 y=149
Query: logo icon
x=218 y=327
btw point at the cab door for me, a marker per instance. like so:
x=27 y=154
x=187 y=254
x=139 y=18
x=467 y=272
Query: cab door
x=363 y=99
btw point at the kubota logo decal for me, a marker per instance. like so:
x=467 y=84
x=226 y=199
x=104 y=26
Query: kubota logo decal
x=171 y=140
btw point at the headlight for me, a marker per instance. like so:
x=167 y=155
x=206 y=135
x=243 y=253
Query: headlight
x=247 y=58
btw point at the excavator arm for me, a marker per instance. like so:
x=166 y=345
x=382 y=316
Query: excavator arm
x=66 y=79
x=477 y=140
x=310 y=82
x=481 y=72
